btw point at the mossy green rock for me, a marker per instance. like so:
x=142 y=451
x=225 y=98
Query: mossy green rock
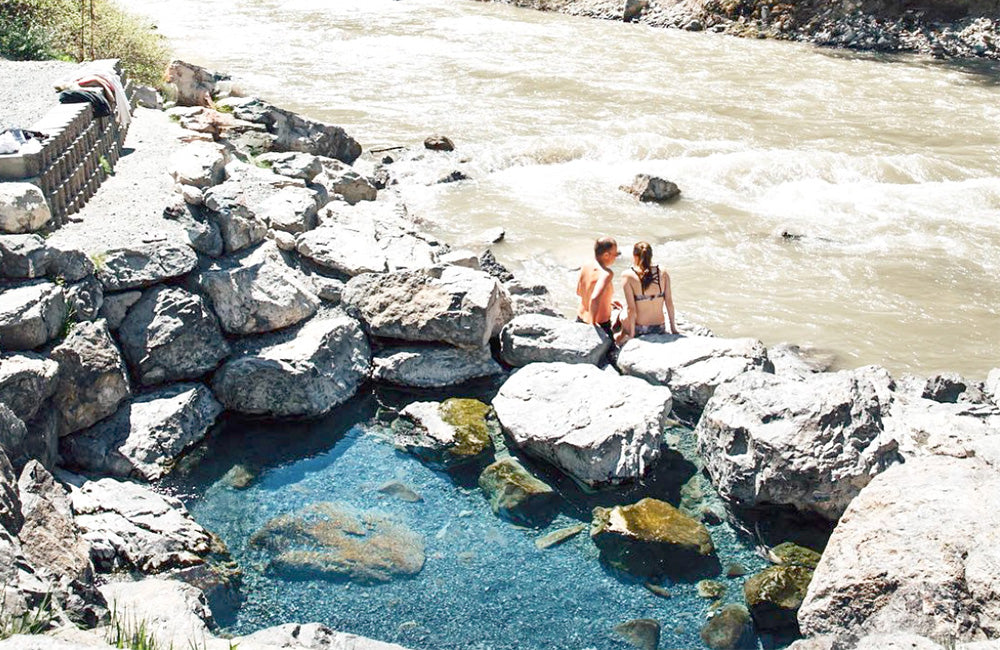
x=514 y=493
x=710 y=589
x=775 y=594
x=724 y=630
x=794 y=555
x=651 y=538
x=642 y=633
x=333 y=541
x=447 y=434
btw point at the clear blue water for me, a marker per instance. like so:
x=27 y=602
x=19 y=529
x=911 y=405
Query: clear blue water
x=484 y=584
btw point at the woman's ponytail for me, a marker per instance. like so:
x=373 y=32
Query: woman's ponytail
x=644 y=253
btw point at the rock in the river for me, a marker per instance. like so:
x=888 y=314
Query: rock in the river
x=432 y=366
x=598 y=427
x=536 y=338
x=31 y=315
x=92 y=378
x=515 y=494
x=331 y=541
x=26 y=381
x=23 y=208
x=652 y=538
x=724 y=630
x=144 y=265
x=652 y=188
x=446 y=434
x=917 y=551
x=132 y=527
x=452 y=305
x=811 y=444
x=439 y=143
x=199 y=164
x=305 y=372
x=196 y=86
x=798 y=362
x=642 y=633
x=559 y=536
x=343 y=181
x=146 y=435
x=260 y=293
x=692 y=366
x=171 y=335
x=774 y=596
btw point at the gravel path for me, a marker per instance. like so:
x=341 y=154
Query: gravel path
x=128 y=207
x=27 y=89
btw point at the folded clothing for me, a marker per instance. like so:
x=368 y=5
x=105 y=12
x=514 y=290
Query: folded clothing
x=81 y=95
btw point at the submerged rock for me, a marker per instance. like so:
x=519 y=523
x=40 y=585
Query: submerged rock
x=331 y=541
x=652 y=538
x=724 y=630
x=538 y=338
x=642 y=633
x=401 y=491
x=432 y=366
x=557 y=537
x=774 y=596
x=598 y=427
x=710 y=589
x=446 y=434
x=790 y=554
x=811 y=444
x=692 y=366
x=515 y=494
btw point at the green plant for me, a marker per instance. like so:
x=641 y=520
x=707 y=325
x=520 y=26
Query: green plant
x=225 y=108
x=99 y=260
x=105 y=165
x=127 y=632
x=34 y=620
x=69 y=322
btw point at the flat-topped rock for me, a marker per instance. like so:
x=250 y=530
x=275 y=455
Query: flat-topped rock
x=31 y=315
x=432 y=366
x=304 y=372
x=200 y=164
x=144 y=265
x=810 y=444
x=926 y=427
x=692 y=366
x=596 y=426
x=259 y=293
x=538 y=338
x=292 y=164
x=452 y=305
x=171 y=335
x=916 y=552
x=146 y=435
x=292 y=209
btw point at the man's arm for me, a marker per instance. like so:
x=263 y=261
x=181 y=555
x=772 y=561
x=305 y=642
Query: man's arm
x=595 y=297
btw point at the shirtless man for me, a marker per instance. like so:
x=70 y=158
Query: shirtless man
x=595 y=287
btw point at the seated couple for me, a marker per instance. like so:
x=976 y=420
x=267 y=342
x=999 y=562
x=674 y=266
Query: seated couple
x=648 y=303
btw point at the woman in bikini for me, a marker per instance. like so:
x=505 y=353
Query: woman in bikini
x=647 y=296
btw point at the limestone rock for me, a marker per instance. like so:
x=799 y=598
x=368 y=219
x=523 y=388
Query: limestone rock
x=203 y=234
x=451 y=305
x=432 y=366
x=993 y=385
x=175 y=614
x=692 y=366
x=515 y=494
x=923 y=426
x=725 y=630
x=13 y=437
x=774 y=596
x=292 y=209
x=294 y=165
x=915 y=552
x=92 y=377
x=305 y=372
x=26 y=381
x=530 y=298
x=260 y=293
x=233 y=208
x=328 y=289
x=30 y=257
x=22 y=208
x=809 y=444
x=293 y=132
x=446 y=434
x=116 y=305
x=331 y=541
x=797 y=362
x=343 y=181
x=651 y=538
x=652 y=188
x=131 y=527
x=598 y=427
x=144 y=265
x=642 y=633
x=171 y=335
x=465 y=258
x=146 y=435
x=310 y=637
x=11 y=518
x=199 y=164
x=31 y=315
x=537 y=338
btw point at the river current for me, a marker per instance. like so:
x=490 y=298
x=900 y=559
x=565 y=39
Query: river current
x=889 y=169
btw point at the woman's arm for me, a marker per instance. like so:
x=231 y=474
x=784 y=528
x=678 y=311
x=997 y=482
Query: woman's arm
x=668 y=303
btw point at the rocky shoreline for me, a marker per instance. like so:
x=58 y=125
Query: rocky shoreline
x=300 y=279
x=943 y=30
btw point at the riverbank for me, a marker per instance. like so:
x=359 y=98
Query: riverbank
x=941 y=30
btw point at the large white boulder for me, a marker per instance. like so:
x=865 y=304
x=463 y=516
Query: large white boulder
x=597 y=426
x=692 y=366
x=305 y=372
x=811 y=444
x=453 y=305
x=31 y=315
x=22 y=208
x=534 y=338
x=199 y=164
x=916 y=552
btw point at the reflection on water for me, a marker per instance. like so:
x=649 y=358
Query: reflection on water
x=484 y=583
x=888 y=168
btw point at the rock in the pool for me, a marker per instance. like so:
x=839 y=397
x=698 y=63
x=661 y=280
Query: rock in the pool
x=774 y=596
x=599 y=427
x=514 y=493
x=446 y=434
x=642 y=633
x=725 y=630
